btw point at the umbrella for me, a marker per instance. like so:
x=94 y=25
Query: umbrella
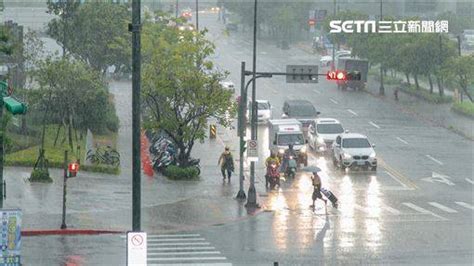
x=312 y=169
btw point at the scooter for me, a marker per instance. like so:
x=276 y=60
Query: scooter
x=291 y=167
x=273 y=176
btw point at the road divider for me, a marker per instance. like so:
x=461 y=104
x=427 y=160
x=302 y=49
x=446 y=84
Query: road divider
x=399 y=177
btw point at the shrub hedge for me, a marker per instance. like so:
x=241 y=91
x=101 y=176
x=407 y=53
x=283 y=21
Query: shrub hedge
x=174 y=172
x=465 y=108
x=425 y=94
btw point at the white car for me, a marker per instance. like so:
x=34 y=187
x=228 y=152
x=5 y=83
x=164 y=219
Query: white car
x=228 y=85
x=323 y=133
x=264 y=111
x=354 y=150
x=326 y=60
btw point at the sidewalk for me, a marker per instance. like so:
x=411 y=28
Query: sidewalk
x=438 y=114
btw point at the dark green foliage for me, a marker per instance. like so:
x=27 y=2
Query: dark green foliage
x=40 y=175
x=177 y=173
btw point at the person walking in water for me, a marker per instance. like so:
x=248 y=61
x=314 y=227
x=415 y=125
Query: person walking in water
x=317 y=189
x=226 y=161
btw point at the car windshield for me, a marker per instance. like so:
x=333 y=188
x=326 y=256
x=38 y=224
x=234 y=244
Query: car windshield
x=302 y=110
x=286 y=139
x=355 y=143
x=263 y=106
x=329 y=129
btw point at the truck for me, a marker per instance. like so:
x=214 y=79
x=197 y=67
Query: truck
x=348 y=64
x=283 y=132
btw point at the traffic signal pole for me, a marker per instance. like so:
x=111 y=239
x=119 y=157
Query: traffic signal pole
x=136 y=72
x=1 y=154
x=243 y=125
x=252 y=194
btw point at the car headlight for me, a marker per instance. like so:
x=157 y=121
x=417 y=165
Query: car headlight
x=347 y=156
x=320 y=140
x=281 y=151
x=372 y=155
x=303 y=149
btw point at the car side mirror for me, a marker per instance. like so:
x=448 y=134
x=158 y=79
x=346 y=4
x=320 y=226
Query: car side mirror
x=318 y=113
x=306 y=141
x=274 y=142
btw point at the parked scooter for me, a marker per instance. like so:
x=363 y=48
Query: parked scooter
x=291 y=167
x=273 y=176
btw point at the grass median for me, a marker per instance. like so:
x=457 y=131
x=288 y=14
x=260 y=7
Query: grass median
x=465 y=108
x=54 y=153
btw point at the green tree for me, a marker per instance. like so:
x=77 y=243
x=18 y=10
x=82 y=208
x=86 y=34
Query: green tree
x=98 y=34
x=456 y=23
x=461 y=70
x=72 y=96
x=181 y=88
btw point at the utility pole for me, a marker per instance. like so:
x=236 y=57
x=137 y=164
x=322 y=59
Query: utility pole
x=197 y=15
x=252 y=194
x=2 y=134
x=136 y=72
x=382 y=89
x=242 y=129
x=63 y=224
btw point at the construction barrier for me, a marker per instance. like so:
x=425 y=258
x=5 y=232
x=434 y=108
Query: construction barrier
x=212 y=131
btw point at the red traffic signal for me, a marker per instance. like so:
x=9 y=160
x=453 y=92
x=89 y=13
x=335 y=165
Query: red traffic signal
x=73 y=169
x=336 y=75
x=343 y=75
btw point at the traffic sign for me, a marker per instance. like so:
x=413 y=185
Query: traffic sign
x=252 y=150
x=136 y=248
x=303 y=74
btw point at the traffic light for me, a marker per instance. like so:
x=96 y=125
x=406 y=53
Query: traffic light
x=343 y=75
x=14 y=107
x=73 y=169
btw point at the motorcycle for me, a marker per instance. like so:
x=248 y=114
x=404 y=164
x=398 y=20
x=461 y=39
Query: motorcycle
x=273 y=176
x=291 y=167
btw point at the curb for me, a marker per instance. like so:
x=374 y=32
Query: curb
x=46 y=232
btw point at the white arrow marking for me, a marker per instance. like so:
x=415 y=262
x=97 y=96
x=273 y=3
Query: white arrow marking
x=435 y=177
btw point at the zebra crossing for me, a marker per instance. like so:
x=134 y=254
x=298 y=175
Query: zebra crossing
x=434 y=209
x=183 y=249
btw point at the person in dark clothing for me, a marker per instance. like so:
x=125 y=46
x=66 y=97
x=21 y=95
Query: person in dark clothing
x=317 y=189
x=226 y=161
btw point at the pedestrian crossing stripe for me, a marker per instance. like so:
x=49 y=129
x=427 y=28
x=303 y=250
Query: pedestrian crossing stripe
x=442 y=207
x=469 y=206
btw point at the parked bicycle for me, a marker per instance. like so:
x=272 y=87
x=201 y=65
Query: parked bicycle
x=104 y=155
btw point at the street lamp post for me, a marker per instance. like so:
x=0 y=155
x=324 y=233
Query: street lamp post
x=382 y=89
x=197 y=15
x=252 y=194
x=136 y=70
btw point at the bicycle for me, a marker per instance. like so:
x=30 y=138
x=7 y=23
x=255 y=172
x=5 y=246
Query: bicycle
x=104 y=155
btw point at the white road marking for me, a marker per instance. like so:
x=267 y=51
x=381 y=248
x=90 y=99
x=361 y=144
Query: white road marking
x=182 y=248
x=170 y=236
x=373 y=124
x=352 y=112
x=174 y=239
x=179 y=244
x=466 y=205
x=421 y=210
x=186 y=258
x=442 y=207
x=396 y=179
x=263 y=52
x=190 y=264
x=434 y=160
x=470 y=181
x=402 y=140
x=390 y=209
x=332 y=100
x=316 y=91
x=184 y=253
x=436 y=177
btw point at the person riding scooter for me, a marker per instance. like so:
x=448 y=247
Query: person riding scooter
x=272 y=176
x=289 y=152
